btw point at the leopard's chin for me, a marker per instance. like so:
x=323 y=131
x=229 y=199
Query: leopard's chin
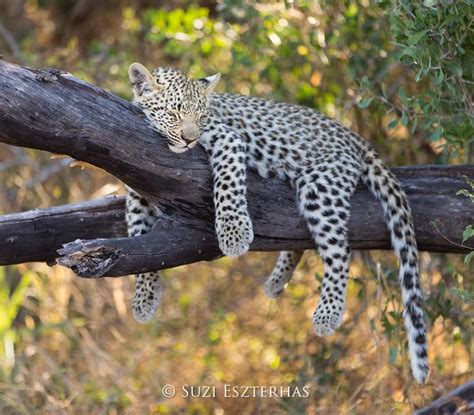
x=177 y=150
x=193 y=144
x=181 y=149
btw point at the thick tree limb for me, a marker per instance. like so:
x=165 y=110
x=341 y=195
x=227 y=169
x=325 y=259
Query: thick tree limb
x=38 y=234
x=58 y=113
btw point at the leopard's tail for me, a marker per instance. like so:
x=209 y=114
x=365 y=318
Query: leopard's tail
x=385 y=187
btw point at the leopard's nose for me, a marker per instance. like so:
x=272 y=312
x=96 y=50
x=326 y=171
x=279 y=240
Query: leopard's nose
x=191 y=139
x=190 y=130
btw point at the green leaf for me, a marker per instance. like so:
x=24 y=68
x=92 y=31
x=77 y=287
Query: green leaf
x=396 y=316
x=403 y=96
x=365 y=81
x=392 y=124
x=365 y=102
x=400 y=54
x=439 y=78
x=393 y=352
x=415 y=38
x=454 y=68
x=421 y=73
x=405 y=119
x=467 y=259
x=468 y=233
x=436 y=133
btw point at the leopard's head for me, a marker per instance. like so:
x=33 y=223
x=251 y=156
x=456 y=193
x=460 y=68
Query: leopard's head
x=175 y=104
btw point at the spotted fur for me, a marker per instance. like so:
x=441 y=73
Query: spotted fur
x=320 y=158
x=140 y=217
x=286 y=264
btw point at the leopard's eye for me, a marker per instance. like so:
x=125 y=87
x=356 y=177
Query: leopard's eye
x=175 y=114
x=202 y=119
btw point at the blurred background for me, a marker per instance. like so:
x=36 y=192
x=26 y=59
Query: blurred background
x=399 y=73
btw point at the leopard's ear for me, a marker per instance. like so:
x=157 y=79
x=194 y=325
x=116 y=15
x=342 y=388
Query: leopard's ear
x=210 y=82
x=141 y=79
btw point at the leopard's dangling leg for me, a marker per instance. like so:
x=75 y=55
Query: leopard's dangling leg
x=147 y=296
x=141 y=216
x=324 y=198
x=284 y=268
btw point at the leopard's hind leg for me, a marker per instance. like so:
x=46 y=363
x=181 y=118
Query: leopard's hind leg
x=324 y=201
x=284 y=268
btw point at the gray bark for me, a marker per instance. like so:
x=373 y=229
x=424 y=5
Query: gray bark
x=36 y=235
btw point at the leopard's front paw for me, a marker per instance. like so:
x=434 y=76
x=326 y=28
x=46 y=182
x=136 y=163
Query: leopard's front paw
x=234 y=233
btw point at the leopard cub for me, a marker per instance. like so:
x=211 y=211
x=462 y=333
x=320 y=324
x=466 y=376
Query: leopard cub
x=322 y=160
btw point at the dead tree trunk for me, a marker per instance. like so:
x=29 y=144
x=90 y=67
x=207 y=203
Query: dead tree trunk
x=56 y=112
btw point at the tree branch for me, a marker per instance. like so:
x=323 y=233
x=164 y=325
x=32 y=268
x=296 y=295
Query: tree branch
x=458 y=401
x=59 y=113
x=38 y=234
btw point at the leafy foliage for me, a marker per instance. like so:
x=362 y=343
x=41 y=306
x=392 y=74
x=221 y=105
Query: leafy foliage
x=435 y=41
